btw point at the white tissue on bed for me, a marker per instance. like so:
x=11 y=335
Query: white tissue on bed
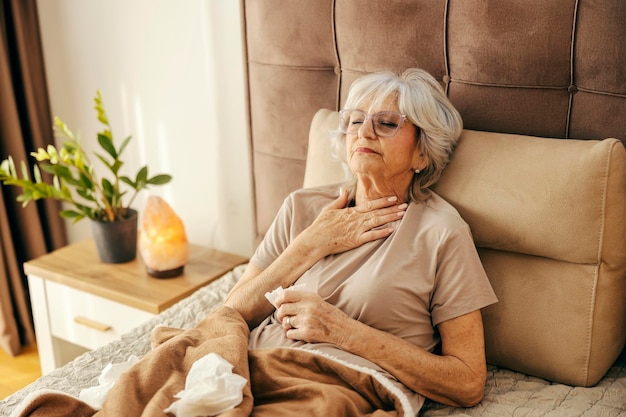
x=94 y=396
x=211 y=388
x=271 y=296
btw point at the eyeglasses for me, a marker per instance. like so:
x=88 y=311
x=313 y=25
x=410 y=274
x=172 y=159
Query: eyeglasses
x=385 y=123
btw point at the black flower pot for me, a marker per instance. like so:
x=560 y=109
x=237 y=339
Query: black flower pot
x=116 y=241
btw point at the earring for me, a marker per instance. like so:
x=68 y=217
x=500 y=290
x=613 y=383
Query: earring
x=417 y=171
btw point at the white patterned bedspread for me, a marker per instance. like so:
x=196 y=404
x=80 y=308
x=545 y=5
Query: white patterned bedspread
x=507 y=393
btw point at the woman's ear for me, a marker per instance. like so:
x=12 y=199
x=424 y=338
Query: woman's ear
x=419 y=160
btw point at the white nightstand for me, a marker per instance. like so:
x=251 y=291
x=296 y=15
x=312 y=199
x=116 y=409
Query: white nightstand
x=80 y=303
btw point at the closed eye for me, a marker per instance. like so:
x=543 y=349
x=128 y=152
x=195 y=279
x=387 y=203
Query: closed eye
x=388 y=124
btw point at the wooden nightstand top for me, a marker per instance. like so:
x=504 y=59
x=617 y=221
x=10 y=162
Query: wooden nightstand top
x=78 y=266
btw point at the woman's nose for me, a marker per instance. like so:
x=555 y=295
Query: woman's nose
x=367 y=129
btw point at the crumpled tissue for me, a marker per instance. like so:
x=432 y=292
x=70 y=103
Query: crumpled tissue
x=211 y=388
x=94 y=396
x=271 y=296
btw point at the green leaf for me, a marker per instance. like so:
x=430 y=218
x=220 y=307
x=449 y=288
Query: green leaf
x=108 y=189
x=102 y=116
x=141 y=178
x=25 y=173
x=107 y=133
x=12 y=169
x=24 y=199
x=62 y=129
x=123 y=145
x=37 y=174
x=85 y=194
x=85 y=182
x=142 y=175
x=65 y=193
x=4 y=167
x=70 y=214
x=115 y=168
x=61 y=171
x=128 y=181
x=107 y=144
x=105 y=162
x=160 y=179
x=79 y=160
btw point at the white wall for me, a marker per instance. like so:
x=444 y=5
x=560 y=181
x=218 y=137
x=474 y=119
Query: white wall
x=171 y=75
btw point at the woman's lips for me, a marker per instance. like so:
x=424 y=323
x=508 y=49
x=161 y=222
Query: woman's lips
x=363 y=150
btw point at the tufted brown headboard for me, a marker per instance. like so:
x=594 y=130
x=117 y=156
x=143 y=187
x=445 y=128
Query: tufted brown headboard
x=545 y=68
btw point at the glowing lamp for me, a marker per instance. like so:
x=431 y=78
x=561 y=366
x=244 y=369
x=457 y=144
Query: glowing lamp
x=162 y=240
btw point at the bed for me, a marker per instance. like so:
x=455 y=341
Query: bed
x=507 y=393
x=539 y=174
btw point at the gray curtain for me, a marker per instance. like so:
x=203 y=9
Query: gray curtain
x=25 y=125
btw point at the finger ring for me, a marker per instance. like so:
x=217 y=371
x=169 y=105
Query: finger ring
x=288 y=320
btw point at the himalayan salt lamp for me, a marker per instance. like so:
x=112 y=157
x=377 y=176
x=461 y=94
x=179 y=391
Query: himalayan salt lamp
x=162 y=240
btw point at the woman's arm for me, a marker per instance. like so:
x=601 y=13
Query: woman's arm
x=335 y=230
x=456 y=377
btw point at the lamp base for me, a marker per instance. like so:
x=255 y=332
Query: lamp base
x=169 y=273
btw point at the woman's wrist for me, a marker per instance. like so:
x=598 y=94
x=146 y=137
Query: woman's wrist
x=350 y=338
x=307 y=248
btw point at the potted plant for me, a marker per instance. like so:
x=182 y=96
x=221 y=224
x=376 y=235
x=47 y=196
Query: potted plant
x=74 y=181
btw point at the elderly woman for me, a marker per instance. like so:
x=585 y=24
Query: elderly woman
x=387 y=275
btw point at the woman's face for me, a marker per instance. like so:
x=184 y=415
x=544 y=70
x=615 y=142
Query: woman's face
x=390 y=161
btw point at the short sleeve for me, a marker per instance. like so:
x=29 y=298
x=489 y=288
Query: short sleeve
x=277 y=237
x=461 y=284
x=298 y=211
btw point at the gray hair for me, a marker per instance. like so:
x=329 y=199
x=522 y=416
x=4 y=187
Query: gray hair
x=420 y=97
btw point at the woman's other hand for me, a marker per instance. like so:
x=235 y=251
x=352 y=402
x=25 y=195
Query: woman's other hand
x=339 y=228
x=305 y=316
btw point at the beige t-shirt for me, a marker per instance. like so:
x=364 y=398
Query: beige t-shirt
x=426 y=272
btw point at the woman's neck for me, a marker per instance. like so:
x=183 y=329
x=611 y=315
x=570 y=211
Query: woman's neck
x=367 y=190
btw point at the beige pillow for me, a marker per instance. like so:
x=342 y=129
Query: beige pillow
x=321 y=167
x=549 y=220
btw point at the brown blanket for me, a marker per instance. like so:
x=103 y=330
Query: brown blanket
x=284 y=381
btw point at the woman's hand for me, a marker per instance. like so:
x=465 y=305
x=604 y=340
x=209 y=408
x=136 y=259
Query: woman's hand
x=339 y=228
x=305 y=316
